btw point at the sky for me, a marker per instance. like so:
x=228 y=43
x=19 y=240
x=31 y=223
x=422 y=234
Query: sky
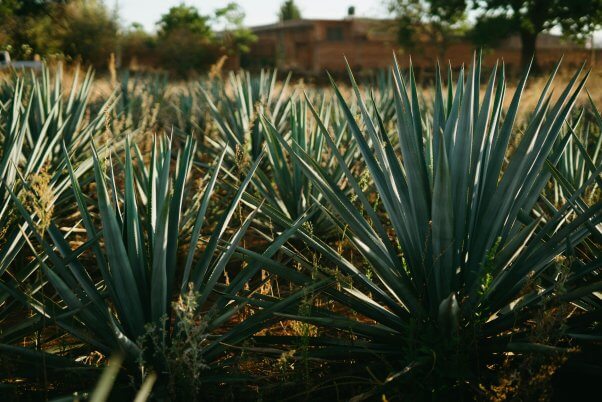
x=258 y=12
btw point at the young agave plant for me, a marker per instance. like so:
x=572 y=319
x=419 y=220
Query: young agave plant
x=288 y=193
x=579 y=168
x=61 y=115
x=243 y=101
x=191 y=109
x=125 y=303
x=582 y=154
x=456 y=263
x=38 y=115
x=141 y=98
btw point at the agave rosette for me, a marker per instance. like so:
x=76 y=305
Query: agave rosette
x=459 y=258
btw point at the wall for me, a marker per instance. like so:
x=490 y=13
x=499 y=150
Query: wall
x=305 y=47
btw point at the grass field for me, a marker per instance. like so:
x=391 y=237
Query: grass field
x=249 y=236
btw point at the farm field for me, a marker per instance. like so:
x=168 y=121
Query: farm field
x=249 y=236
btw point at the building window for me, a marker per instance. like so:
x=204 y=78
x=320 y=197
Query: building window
x=334 y=34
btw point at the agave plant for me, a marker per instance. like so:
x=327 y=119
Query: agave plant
x=287 y=192
x=242 y=102
x=456 y=262
x=382 y=85
x=141 y=98
x=582 y=154
x=144 y=262
x=39 y=115
x=579 y=167
x=191 y=108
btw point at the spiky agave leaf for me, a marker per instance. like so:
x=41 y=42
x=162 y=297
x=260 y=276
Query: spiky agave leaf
x=37 y=115
x=237 y=111
x=288 y=193
x=136 y=247
x=456 y=253
x=581 y=154
x=141 y=97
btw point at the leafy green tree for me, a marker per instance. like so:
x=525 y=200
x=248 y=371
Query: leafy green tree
x=289 y=11
x=498 y=19
x=88 y=31
x=83 y=29
x=137 y=46
x=27 y=26
x=437 y=20
x=28 y=7
x=528 y=18
x=235 y=38
x=184 y=18
x=185 y=40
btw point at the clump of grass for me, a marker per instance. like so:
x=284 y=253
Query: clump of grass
x=183 y=355
x=38 y=199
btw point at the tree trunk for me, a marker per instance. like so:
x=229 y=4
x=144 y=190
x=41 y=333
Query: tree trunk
x=529 y=50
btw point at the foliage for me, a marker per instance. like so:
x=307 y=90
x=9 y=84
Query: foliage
x=185 y=39
x=283 y=186
x=491 y=30
x=462 y=256
x=184 y=18
x=77 y=29
x=88 y=31
x=581 y=156
x=235 y=37
x=38 y=115
x=237 y=113
x=437 y=20
x=364 y=240
x=138 y=47
x=25 y=27
x=187 y=42
x=577 y=19
x=289 y=11
x=137 y=261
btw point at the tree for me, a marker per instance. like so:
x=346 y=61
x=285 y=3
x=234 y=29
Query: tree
x=436 y=20
x=76 y=28
x=528 y=18
x=235 y=37
x=88 y=30
x=184 y=18
x=289 y=11
x=186 y=40
x=28 y=8
x=27 y=26
x=137 y=46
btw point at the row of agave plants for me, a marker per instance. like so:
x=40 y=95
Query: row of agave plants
x=369 y=240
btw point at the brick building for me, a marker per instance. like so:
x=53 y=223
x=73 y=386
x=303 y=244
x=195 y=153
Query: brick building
x=312 y=46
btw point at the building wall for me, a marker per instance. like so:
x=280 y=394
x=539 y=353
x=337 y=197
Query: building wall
x=284 y=48
x=312 y=46
x=361 y=56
